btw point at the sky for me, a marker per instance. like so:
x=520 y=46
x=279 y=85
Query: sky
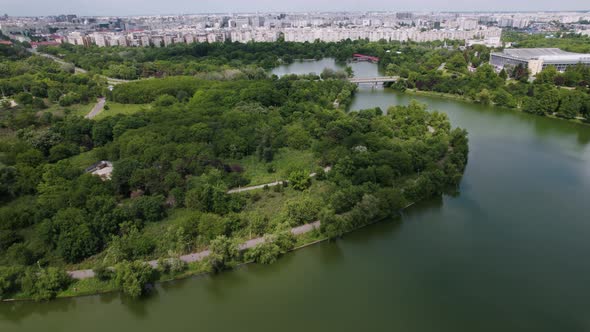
x=154 y=7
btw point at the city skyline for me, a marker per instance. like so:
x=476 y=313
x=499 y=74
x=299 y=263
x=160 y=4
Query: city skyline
x=138 y=7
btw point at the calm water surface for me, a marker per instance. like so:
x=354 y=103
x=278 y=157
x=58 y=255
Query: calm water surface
x=510 y=253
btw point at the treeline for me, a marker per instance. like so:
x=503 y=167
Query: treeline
x=571 y=42
x=467 y=74
x=199 y=58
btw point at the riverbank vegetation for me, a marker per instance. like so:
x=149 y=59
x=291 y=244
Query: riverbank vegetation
x=466 y=74
x=175 y=162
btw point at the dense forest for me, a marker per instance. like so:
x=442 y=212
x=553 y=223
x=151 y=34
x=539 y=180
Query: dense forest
x=175 y=162
x=199 y=58
x=463 y=72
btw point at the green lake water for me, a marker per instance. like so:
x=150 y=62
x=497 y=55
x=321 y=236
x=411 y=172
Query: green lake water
x=509 y=253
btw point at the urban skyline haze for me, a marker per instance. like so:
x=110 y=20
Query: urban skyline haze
x=156 y=7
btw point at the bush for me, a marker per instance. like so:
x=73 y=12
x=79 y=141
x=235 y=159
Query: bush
x=171 y=265
x=133 y=277
x=44 y=284
x=320 y=174
x=9 y=280
x=103 y=273
x=302 y=211
x=299 y=180
x=264 y=253
x=274 y=245
x=223 y=254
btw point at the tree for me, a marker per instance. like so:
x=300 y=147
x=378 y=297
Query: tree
x=332 y=225
x=133 y=277
x=302 y=211
x=571 y=104
x=44 y=284
x=223 y=253
x=501 y=97
x=457 y=62
x=547 y=75
x=72 y=236
x=264 y=253
x=503 y=75
x=520 y=73
x=130 y=246
x=9 y=280
x=299 y=180
x=211 y=226
x=483 y=97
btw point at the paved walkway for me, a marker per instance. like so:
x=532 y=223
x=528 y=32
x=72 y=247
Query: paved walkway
x=198 y=256
x=272 y=184
x=97 y=108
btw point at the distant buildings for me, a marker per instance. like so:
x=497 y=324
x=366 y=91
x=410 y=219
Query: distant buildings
x=167 y=30
x=488 y=42
x=536 y=59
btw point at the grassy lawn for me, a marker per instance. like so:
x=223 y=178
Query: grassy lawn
x=126 y=109
x=83 y=160
x=88 y=287
x=285 y=161
x=273 y=205
x=76 y=109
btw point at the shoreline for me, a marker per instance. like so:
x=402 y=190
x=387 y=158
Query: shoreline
x=450 y=96
x=197 y=273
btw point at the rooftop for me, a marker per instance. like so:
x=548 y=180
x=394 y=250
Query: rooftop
x=542 y=53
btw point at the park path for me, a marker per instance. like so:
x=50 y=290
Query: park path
x=272 y=184
x=199 y=256
x=98 y=107
x=78 y=70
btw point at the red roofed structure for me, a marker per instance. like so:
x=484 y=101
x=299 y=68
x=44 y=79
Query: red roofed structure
x=362 y=57
x=45 y=43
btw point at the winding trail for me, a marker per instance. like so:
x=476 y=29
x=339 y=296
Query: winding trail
x=199 y=256
x=78 y=70
x=272 y=184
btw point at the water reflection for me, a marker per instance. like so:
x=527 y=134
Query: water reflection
x=16 y=312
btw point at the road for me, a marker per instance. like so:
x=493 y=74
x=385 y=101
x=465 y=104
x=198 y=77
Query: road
x=199 y=256
x=97 y=108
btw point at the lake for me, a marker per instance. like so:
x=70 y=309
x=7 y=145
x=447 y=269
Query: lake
x=507 y=254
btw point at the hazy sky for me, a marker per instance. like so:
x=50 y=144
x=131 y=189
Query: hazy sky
x=138 y=7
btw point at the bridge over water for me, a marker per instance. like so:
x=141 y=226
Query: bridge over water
x=374 y=80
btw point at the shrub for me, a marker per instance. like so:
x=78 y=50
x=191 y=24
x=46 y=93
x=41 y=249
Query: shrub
x=302 y=211
x=264 y=253
x=103 y=273
x=44 y=284
x=133 y=277
x=299 y=180
x=223 y=254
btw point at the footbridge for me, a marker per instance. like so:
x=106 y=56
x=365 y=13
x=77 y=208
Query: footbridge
x=374 y=80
